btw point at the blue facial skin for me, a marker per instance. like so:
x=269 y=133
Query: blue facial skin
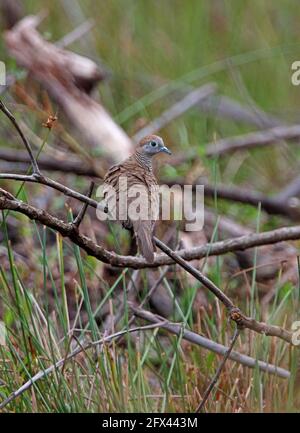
x=155 y=146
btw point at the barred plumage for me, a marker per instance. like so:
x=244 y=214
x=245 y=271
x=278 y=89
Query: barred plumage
x=131 y=177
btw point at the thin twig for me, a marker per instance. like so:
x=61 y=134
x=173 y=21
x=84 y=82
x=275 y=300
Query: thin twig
x=11 y=117
x=197 y=274
x=43 y=180
x=235 y=313
x=77 y=221
x=219 y=370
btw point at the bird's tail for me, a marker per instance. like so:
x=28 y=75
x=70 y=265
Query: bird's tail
x=143 y=235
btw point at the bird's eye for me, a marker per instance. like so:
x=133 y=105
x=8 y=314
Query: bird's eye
x=153 y=143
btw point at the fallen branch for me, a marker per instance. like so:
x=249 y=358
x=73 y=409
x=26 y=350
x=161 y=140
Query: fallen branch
x=254 y=139
x=280 y=204
x=195 y=338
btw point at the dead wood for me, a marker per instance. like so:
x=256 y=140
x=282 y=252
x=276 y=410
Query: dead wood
x=68 y=77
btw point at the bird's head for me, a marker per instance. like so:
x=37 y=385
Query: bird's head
x=152 y=145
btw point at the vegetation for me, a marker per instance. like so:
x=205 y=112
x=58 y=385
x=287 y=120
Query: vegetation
x=55 y=299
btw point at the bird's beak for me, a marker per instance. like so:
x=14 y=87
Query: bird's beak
x=166 y=150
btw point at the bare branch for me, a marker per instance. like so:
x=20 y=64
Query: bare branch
x=51 y=184
x=70 y=231
x=197 y=274
x=234 y=312
x=280 y=204
x=211 y=249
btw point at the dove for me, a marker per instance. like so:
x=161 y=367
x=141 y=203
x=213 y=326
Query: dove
x=129 y=179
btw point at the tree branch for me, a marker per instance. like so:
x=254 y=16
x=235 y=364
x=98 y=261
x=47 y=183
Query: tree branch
x=71 y=231
x=235 y=313
x=211 y=249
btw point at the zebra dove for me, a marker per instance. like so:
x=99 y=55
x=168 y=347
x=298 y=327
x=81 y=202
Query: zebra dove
x=135 y=177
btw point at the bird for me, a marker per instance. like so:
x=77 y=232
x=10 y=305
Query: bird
x=136 y=174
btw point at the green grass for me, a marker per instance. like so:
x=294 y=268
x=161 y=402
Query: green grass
x=154 y=50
